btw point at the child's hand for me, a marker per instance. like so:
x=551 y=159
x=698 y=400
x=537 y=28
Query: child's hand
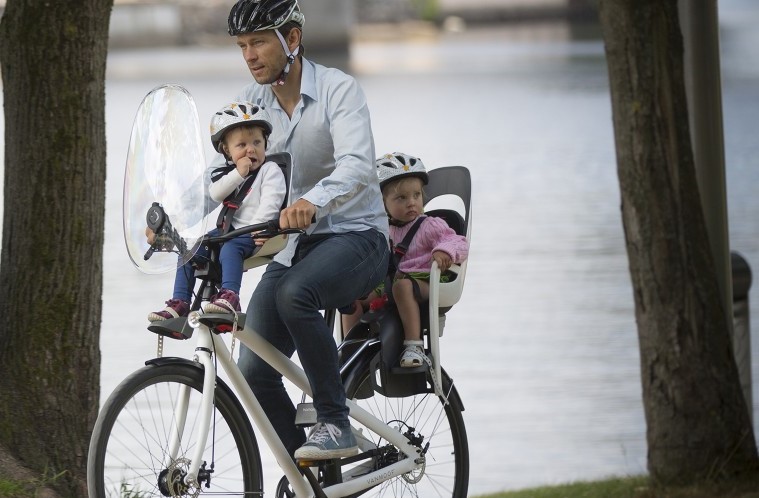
x=259 y=241
x=444 y=261
x=244 y=166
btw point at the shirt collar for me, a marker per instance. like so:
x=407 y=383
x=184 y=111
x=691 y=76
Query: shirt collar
x=308 y=79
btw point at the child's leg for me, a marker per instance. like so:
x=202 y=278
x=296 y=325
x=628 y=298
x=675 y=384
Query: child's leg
x=231 y=258
x=179 y=304
x=408 y=306
x=184 y=282
x=408 y=309
x=348 y=320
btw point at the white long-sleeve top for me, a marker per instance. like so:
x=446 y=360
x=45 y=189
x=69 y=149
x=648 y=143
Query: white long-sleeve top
x=263 y=200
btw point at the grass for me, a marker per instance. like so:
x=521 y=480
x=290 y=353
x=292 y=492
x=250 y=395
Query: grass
x=623 y=487
x=12 y=489
x=637 y=487
x=25 y=488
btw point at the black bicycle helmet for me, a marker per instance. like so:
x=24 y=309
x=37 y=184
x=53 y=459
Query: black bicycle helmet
x=248 y=16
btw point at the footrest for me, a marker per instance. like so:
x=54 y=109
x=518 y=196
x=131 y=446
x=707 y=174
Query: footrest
x=175 y=328
x=410 y=370
x=222 y=322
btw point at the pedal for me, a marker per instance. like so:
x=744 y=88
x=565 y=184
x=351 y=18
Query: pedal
x=222 y=322
x=329 y=470
x=306 y=468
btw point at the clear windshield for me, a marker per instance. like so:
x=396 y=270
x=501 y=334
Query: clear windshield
x=163 y=182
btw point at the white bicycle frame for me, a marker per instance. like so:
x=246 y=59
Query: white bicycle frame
x=206 y=345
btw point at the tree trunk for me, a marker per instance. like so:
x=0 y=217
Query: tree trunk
x=53 y=59
x=698 y=424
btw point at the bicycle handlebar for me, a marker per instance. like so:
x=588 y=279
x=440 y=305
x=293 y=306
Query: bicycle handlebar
x=167 y=238
x=266 y=229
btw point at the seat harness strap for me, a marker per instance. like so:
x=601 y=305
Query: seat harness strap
x=233 y=200
x=397 y=251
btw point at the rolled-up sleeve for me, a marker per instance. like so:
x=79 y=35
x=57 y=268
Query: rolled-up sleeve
x=349 y=124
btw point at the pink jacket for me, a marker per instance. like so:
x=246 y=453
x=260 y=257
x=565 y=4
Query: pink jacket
x=433 y=235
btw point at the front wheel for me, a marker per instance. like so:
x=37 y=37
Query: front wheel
x=131 y=439
x=430 y=423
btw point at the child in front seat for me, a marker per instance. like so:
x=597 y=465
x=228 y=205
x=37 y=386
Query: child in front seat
x=240 y=131
x=402 y=178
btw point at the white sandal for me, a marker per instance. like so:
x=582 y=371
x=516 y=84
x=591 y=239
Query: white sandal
x=413 y=355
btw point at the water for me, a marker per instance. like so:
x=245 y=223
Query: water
x=543 y=345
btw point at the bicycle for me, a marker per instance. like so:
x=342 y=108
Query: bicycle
x=175 y=428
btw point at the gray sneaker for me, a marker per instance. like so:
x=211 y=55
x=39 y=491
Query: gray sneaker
x=326 y=441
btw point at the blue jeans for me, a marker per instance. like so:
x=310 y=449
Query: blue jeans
x=327 y=272
x=231 y=257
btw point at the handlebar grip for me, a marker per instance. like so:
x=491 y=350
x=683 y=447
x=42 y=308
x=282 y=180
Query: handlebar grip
x=150 y=252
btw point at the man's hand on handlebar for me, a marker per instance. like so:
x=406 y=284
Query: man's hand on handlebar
x=300 y=215
x=150 y=234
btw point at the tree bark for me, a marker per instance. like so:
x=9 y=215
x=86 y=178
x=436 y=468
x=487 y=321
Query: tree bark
x=53 y=58
x=698 y=424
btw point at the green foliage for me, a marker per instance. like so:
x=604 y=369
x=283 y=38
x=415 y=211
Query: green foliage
x=630 y=487
x=128 y=492
x=13 y=488
x=428 y=10
x=744 y=486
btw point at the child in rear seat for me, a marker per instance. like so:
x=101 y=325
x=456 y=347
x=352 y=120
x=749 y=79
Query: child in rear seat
x=402 y=178
x=240 y=131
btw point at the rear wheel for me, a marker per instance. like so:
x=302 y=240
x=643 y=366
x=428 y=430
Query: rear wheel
x=131 y=438
x=430 y=423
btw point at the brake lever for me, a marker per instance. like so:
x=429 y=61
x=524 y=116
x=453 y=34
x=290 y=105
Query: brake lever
x=267 y=234
x=287 y=231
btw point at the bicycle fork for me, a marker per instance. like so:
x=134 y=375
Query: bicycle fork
x=203 y=356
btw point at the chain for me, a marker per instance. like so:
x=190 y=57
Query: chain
x=159 y=349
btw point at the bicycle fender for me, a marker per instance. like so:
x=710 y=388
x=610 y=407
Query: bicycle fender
x=360 y=365
x=453 y=396
x=173 y=360
x=176 y=360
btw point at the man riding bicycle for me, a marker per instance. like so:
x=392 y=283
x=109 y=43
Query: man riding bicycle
x=320 y=116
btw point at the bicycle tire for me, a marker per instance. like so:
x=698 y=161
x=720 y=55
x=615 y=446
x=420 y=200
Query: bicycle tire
x=131 y=434
x=446 y=470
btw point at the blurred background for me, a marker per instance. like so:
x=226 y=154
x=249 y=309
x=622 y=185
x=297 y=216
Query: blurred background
x=543 y=345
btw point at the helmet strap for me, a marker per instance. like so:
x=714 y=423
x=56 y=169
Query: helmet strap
x=290 y=59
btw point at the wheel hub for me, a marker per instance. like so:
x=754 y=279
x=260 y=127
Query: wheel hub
x=171 y=480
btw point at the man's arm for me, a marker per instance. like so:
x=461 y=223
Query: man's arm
x=350 y=128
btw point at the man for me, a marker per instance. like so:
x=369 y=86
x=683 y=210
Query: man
x=320 y=116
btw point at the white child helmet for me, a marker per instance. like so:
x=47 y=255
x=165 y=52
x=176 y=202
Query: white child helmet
x=396 y=165
x=238 y=114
